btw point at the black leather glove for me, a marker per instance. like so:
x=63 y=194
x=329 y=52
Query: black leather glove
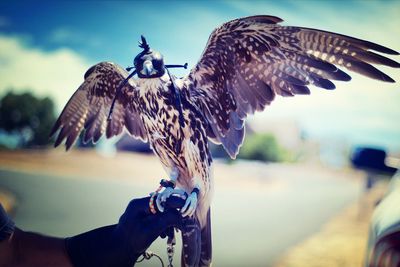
x=123 y=243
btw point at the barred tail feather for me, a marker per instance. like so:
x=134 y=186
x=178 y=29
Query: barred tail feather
x=206 y=243
x=197 y=243
x=191 y=243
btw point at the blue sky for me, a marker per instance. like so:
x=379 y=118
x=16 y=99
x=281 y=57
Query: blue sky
x=48 y=46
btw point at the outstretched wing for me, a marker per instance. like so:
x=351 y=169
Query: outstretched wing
x=248 y=61
x=89 y=107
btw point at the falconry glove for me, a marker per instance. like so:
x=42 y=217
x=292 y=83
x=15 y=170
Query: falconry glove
x=123 y=243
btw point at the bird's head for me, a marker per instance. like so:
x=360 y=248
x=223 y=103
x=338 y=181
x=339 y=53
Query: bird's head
x=149 y=63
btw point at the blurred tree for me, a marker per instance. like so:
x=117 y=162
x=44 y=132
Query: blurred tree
x=263 y=147
x=27 y=116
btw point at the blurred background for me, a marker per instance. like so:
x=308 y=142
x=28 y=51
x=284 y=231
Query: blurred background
x=302 y=165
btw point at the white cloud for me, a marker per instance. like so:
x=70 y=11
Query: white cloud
x=66 y=35
x=61 y=35
x=56 y=74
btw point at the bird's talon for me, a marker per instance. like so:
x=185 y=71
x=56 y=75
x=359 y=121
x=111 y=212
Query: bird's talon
x=160 y=207
x=190 y=205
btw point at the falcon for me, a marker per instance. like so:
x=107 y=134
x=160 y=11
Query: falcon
x=246 y=63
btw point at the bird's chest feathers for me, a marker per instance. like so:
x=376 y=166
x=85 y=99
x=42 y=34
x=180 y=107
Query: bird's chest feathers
x=175 y=133
x=158 y=112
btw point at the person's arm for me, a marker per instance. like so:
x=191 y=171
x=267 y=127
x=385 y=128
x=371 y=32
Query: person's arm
x=20 y=248
x=32 y=249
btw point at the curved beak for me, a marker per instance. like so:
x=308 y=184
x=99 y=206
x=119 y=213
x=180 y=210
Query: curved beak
x=148 y=68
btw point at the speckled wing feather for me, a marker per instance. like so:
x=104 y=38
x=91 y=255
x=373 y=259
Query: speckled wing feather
x=248 y=61
x=89 y=107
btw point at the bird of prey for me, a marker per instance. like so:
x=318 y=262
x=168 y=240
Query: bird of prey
x=246 y=63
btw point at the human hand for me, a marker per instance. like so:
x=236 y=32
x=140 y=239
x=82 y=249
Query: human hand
x=141 y=227
x=122 y=244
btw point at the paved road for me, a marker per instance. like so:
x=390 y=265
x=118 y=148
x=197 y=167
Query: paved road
x=250 y=227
